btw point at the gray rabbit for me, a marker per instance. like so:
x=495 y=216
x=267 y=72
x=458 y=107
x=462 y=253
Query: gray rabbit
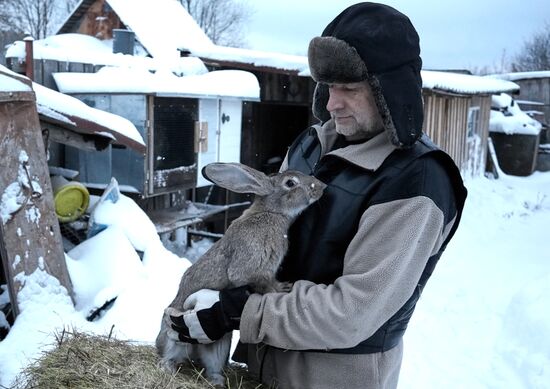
x=249 y=253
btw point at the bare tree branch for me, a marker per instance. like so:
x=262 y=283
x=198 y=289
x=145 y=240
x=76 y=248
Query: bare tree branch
x=224 y=21
x=35 y=17
x=535 y=54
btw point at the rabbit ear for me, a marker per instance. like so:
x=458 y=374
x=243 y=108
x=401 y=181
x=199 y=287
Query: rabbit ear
x=238 y=178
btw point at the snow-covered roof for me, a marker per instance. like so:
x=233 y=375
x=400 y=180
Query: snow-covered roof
x=69 y=47
x=517 y=76
x=72 y=114
x=293 y=63
x=13 y=82
x=81 y=48
x=465 y=83
x=169 y=29
x=161 y=26
x=82 y=118
x=216 y=84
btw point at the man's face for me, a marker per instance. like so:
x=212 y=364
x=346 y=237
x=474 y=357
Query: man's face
x=354 y=111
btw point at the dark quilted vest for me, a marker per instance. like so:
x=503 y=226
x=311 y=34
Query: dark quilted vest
x=321 y=235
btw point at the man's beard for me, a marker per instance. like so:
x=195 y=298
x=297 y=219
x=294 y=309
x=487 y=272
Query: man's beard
x=356 y=132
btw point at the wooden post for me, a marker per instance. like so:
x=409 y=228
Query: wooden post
x=30 y=237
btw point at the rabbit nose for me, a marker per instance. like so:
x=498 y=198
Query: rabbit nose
x=320 y=185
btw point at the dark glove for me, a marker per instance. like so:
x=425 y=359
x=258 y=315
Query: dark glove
x=208 y=315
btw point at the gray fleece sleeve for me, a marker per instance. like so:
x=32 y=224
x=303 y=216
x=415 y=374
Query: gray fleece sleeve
x=382 y=267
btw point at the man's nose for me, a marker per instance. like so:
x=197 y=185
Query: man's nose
x=335 y=101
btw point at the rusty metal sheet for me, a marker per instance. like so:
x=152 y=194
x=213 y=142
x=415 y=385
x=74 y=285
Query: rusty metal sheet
x=30 y=237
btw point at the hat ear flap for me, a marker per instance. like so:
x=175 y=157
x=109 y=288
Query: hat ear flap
x=320 y=101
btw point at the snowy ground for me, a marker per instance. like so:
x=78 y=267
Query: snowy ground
x=483 y=321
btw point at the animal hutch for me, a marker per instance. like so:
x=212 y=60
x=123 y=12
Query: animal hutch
x=186 y=123
x=284 y=108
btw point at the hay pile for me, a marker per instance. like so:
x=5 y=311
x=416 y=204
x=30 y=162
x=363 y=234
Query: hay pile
x=86 y=361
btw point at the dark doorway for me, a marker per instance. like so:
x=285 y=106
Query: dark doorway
x=268 y=131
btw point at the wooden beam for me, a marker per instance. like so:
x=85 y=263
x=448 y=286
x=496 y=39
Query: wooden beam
x=218 y=63
x=71 y=138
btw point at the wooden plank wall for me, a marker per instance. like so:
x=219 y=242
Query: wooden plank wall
x=99 y=21
x=445 y=122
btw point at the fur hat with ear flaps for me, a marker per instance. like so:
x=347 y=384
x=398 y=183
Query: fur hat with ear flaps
x=376 y=43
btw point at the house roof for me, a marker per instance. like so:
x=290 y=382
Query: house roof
x=517 y=76
x=75 y=16
x=465 y=84
x=168 y=30
x=70 y=114
x=11 y=82
x=216 y=84
x=162 y=26
x=74 y=115
x=81 y=48
x=253 y=59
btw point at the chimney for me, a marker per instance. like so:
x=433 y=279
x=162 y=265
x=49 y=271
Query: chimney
x=123 y=41
x=29 y=57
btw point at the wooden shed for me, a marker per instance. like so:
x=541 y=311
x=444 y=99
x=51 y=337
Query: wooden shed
x=456 y=115
x=534 y=93
x=187 y=122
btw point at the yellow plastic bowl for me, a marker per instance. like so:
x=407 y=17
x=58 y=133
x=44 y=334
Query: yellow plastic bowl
x=71 y=201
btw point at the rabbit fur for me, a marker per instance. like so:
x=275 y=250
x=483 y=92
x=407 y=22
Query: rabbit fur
x=249 y=253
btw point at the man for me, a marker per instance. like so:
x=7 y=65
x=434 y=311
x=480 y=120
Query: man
x=360 y=257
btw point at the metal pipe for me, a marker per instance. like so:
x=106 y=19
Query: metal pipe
x=29 y=57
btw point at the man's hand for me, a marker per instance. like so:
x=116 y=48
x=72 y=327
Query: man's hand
x=208 y=315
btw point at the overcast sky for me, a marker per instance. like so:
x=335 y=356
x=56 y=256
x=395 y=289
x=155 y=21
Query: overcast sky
x=453 y=34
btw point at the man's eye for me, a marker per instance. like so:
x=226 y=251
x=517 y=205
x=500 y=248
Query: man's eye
x=290 y=183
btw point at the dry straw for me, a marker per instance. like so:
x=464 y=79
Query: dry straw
x=87 y=361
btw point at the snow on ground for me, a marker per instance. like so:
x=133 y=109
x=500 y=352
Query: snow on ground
x=483 y=321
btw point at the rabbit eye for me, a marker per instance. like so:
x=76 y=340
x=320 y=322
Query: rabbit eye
x=290 y=183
